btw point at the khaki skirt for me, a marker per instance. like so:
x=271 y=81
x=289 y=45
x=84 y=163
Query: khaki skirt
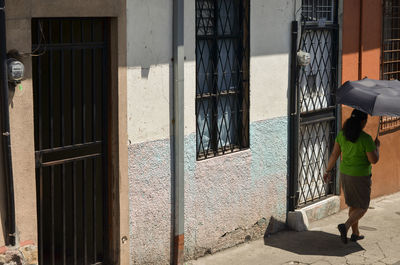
x=357 y=190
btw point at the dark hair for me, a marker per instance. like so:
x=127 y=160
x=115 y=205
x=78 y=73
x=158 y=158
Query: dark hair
x=353 y=125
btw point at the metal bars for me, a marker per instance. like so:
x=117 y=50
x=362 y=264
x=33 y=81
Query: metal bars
x=318 y=10
x=314 y=151
x=390 y=65
x=316 y=83
x=70 y=100
x=222 y=77
x=316 y=78
x=389 y=124
x=391 y=40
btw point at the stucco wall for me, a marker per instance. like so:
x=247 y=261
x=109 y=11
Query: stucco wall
x=385 y=174
x=228 y=199
x=149 y=24
x=231 y=199
x=19 y=14
x=269 y=64
x=149 y=56
x=21 y=125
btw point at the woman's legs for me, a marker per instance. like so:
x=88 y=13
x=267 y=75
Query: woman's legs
x=354 y=227
x=355 y=215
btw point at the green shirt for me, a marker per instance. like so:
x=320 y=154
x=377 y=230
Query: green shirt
x=354 y=158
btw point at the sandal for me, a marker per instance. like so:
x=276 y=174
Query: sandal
x=343 y=232
x=355 y=237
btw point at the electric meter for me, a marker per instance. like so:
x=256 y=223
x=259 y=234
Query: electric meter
x=16 y=70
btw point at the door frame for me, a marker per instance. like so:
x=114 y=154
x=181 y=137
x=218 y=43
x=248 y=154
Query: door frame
x=115 y=134
x=294 y=110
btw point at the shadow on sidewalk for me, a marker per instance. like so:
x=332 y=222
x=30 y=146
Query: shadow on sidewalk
x=312 y=243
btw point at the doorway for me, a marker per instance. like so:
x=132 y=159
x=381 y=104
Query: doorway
x=70 y=88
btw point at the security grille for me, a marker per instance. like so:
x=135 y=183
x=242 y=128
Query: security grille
x=391 y=55
x=222 y=77
x=314 y=151
x=389 y=124
x=391 y=40
x=317 y=10
x=70 y=90
x=316 y=84
x=317 y=79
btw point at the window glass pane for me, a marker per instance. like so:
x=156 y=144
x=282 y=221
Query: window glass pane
x=204 y=67
x=205 y=17
x=227 y=121
x=227 y=66
x=204 y=123
x=314 y=10
x=221 y=68
x=226 y=18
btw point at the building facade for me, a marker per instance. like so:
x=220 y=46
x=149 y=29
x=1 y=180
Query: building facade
x=370 y=49
x=235 y=141
x=241 y=172
x=93 y=139
x=68 y=123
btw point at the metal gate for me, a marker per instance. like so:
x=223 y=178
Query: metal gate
x=313 y=125
x=70 y=58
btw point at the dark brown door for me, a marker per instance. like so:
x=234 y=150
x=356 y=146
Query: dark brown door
x=70 y=84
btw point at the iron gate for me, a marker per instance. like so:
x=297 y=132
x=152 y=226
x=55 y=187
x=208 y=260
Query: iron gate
x=70 y=90
x=313 y=124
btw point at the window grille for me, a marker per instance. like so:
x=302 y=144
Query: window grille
x=314 y=153
x=316 y=120
x=391 y=55
x=389 y=124
x=317 y=10
x=317 y=79
x=391 y=40
x=222 y=77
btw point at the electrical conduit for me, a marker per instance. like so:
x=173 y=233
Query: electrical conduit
x=6 y=141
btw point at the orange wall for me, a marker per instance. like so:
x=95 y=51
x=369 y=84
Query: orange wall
x=350 y=39
x=386 y=173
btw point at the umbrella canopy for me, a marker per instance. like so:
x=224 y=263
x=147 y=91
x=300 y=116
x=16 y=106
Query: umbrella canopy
x=375 y=97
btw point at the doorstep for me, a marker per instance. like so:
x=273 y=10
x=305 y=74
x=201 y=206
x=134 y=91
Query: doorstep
x=300 y=219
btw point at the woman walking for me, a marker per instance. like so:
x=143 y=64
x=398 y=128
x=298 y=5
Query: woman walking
x=358 y=151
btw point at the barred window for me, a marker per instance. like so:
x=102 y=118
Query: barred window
x=222 y=77
x=389 y=124
x=391 y=40
x=316 y=10
x=390 y=65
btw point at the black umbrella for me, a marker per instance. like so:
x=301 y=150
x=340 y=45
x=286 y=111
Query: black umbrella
x=375 y=97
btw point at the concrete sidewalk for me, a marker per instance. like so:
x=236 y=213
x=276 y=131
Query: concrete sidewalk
x=321 y=244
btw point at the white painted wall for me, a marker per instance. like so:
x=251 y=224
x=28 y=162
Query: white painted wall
x=190 y=66
x=269 y=62
x=149 y=47
x=150 y=72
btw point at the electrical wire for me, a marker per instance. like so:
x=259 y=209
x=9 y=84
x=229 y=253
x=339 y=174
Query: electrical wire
x=42 y=38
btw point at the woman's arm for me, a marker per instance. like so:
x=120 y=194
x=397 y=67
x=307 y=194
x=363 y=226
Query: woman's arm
x=332 y=161
x=373 y=157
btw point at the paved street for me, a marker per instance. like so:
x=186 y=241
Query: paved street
x=321 y=245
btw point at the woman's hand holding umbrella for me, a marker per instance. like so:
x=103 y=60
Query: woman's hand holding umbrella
x=377 y=142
